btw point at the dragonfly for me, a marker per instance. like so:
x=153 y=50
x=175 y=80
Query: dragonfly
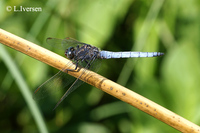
x=80 y=54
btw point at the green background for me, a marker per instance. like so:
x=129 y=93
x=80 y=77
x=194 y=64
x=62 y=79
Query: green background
x=172 y=27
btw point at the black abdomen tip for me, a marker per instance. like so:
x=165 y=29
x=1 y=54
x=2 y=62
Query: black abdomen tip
x=159 y=54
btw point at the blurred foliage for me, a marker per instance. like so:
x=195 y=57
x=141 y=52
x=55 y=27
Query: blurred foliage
x=169 y=26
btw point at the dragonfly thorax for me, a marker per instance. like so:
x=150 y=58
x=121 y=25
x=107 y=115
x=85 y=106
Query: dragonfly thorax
x=70 y=52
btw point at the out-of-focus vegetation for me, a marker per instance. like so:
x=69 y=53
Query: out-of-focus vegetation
x=172 y=27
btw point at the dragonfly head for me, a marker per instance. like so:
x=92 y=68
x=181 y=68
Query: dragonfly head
x=69 y=53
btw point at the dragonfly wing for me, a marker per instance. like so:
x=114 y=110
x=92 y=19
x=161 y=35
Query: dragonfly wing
x=54 y=84
x=93 y=64
x=73 y=87
x=63 y=44
x=56 y=43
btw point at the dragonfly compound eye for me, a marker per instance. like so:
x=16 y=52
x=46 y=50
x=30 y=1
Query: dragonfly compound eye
x=70 y=53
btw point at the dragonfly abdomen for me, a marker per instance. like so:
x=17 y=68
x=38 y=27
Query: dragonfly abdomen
x=109 y=55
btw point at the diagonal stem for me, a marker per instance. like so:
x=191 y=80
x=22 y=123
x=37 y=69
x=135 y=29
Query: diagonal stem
x=100 y=82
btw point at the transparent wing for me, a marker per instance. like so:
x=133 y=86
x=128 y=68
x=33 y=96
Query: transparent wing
x=54 y=84
x=62 y=80
x=93 y=65
x=63 y=44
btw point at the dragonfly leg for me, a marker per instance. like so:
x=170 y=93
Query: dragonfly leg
x=73 y=69
x=90 y=61
x=76 y=64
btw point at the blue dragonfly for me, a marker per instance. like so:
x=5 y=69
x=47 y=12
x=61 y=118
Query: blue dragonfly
x=81 y=54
